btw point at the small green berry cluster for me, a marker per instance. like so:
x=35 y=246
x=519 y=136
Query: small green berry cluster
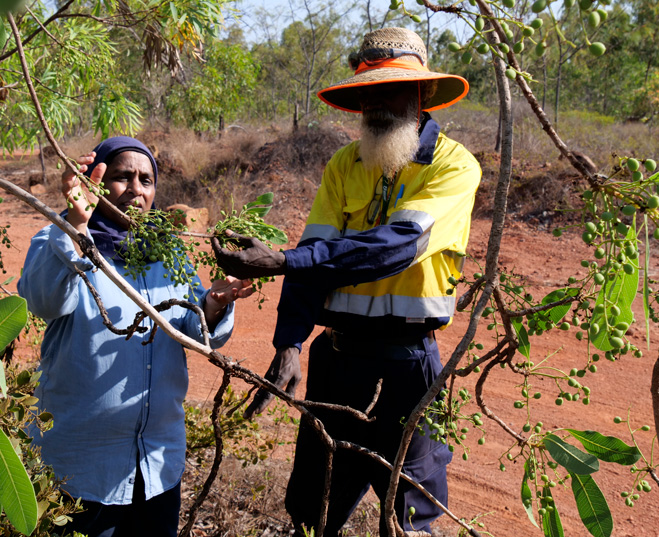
x=446 y=423
x=640 y=483
x=155 y=237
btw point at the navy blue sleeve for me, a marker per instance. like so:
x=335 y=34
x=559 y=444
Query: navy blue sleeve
x=315 y=268
x=364 y=257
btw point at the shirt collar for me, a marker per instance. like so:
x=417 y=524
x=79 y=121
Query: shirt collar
x=427 y=139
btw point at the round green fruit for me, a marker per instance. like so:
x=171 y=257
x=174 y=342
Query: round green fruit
x=480 y=24
x=628 y=210
x=603 y=14
x=594 y=19
x=616 y=342
x=536 y=24
x=528 y=31
x=483 y=48
x=633 y=164
x=511 y=73
x=508 y=3
x=518 y=47
x=568 y=3
x=454 y=47
x=653 y=202
x=650 y=165
x=540 y=48
x=538 y=6
x=597 y=48
x=466 y=57
x=585 y=4
x=503 y=47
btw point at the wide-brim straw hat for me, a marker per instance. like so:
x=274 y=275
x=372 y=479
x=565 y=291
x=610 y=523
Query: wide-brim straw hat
x=382 y=59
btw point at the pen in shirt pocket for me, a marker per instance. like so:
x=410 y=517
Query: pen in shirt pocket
x=400 y=195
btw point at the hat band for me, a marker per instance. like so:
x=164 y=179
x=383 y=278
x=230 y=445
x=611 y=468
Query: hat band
x=392 y=62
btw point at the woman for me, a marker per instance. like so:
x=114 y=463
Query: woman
x=118 y=437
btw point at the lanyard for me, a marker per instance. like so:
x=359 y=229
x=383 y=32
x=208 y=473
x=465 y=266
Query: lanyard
x=387 y=189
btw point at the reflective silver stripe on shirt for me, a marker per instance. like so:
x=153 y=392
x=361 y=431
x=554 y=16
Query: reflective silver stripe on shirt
x=320 y=231
x=425 y=222
x=401 y=306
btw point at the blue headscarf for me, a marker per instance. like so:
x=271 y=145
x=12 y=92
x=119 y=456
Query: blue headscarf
x=106 y=233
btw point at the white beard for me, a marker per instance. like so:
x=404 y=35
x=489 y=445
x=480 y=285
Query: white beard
x=388 y=142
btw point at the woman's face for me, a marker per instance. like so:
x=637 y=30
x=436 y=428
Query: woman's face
x=131 y=182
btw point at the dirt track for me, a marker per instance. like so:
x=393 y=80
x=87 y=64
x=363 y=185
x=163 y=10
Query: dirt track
x=478 y=486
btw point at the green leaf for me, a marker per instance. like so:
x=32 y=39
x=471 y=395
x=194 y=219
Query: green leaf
x=13 y=317
x=551 y=520
x=4 y=35
x=527 y=495
x=621 y=291
x=259 y=211
x=265 y=199
x=607 y=448
x=558 y=312
x=522 y=337
x=16 y=492
x=592 y=506
x=570 y=457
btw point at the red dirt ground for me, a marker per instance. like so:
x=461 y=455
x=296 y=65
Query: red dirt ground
x=477 y=486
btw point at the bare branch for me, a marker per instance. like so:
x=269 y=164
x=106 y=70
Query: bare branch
x=217 y=459
x=380 y=459
x=491 y=275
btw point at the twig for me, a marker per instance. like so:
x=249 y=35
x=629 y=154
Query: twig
x=379 y=458
x=510 y=351
x=495 y=352
x=104 y=313
x=530 y=98
x=44 y=28
x=217 y=459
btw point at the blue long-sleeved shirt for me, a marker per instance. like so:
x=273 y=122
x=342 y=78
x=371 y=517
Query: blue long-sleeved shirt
x=113 y=401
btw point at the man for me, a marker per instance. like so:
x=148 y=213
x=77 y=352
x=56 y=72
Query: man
x=388 y=227
x=118 y=437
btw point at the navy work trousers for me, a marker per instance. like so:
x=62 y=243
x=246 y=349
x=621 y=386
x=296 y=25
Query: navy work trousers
x=157 y=517
x=350 y=378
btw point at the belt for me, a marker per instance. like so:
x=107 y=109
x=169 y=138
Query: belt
x=387 y=346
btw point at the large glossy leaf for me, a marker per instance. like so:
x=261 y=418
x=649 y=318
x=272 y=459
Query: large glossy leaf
x=551 y=520
x=571 y=458
x=592 y=506
x=527 y=495
x=16 y=492
x=522 y=337
x=13 y=316
x=621 y=291
x=607 y=448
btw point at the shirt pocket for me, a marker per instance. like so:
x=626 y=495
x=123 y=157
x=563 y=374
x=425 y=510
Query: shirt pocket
x=354 y=215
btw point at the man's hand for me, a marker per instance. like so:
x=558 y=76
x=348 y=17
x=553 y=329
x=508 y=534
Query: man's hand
x=253 y=260
x=284 y=371
x=221 y=294
x=77 y=195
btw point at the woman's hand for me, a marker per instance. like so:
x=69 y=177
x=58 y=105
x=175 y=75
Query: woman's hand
x=77 y=195
x=221 y=294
